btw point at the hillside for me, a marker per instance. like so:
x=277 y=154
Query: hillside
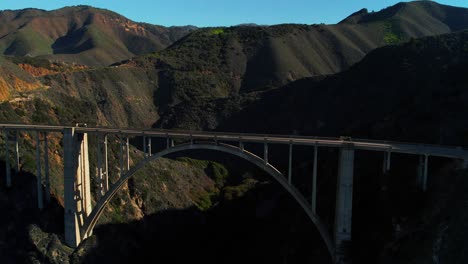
x=14 y=81
x=227 y=62
x=81 y=34
x=208 y=63
x=383 y=97
x=415 y=14
x=221 y=62
x=218 y=62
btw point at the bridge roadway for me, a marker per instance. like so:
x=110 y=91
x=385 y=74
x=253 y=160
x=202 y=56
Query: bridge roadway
x=361 y=144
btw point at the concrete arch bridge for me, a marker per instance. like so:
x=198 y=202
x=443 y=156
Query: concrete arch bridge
x=81 y=217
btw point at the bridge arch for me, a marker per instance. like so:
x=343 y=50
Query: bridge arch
x=248 y=156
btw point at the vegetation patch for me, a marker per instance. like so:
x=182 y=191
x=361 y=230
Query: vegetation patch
x=392 y=33
x=217 y=31
x=28 y=42
x=236 y=192
x=206 y=200
x=216 y=171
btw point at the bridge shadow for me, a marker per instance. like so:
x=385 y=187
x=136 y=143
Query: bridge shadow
x=263 y=226
x=26 y=231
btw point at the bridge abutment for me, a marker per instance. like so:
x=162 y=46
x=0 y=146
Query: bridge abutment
x=344 y=202
x=77 y=186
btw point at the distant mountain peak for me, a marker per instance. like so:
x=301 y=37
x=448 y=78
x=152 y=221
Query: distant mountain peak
x=408 y=9
x=355 y=17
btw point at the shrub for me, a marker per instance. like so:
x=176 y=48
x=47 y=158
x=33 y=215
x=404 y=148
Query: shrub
x=217 y=31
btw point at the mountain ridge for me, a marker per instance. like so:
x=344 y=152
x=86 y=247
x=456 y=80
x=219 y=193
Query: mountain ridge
x=81 y=34
x=421 y=81
x=223 y=62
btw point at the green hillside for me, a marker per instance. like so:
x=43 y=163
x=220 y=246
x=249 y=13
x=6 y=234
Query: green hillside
x=221 y=62
x=81 y=34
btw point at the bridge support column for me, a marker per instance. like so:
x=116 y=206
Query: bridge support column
x=314 y=181
x=127 y=154
x=106 y=167
x=46 y=168
x=40 y=201
x=420 y=171
x=100 y=178
x=102 y=166
x=344 y=202
x=77 y=191
x=121 y=156
x=17 y=153
x=144 y=147
x=465 y=164
x=426 y=161
x=169 y=142
x=149 y=147
x=7 y=159
x=290 y=163
x=423 y=171
x=386 y=161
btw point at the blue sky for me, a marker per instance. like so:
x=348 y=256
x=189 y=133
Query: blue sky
x=224 y=12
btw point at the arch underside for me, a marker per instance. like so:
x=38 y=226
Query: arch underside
x=259 y=162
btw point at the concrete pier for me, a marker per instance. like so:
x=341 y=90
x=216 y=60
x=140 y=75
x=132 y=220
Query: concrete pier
x=170 y=142
x=46 y=168
x=425 y=168
x=100 y=179
x=127 y=154
x=17 y=155
x=77 y=191
x=386 y=161
x=420 y=171
x=149 y=147
x=314 y=181
x=40 y=201
x=290 y=163
x=7 y=159
x=106 y=166
x=144 y=147
x=121 y=157
x=344 y=202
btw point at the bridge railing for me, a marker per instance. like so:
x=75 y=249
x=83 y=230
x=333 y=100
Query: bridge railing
x=232 y=136
x=224 y=136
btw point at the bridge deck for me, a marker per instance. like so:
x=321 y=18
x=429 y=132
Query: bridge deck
x=362 y=144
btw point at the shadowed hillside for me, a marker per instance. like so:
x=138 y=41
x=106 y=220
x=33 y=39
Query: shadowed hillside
x=81 y=34
x=412 y=92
